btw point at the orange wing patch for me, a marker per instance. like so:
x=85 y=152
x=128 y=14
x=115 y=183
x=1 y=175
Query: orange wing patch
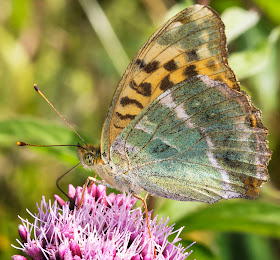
x=191 y=43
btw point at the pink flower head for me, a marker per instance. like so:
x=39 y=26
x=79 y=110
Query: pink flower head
x=105 y=227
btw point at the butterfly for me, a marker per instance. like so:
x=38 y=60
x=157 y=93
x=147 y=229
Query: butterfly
x=179 y=126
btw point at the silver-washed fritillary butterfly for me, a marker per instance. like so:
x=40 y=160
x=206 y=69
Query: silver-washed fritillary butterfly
x=178 y=125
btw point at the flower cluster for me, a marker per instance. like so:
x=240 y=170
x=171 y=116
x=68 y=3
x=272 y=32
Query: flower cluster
x=105 y=227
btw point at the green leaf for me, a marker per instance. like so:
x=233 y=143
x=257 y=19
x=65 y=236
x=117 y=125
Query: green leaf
x=238 y=21
x=271 y=8
x=261 y=59
x=259 y=247
x=166 y=207
x=178 y=8
x=244 y=246
x=235 y=216
x=267 y=81
x=250 y=62
x=36 y=131
x=200 y=251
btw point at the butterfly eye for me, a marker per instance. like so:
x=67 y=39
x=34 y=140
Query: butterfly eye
x=88 y=159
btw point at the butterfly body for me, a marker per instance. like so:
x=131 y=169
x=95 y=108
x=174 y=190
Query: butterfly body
x=178 y=125
x=90 y=159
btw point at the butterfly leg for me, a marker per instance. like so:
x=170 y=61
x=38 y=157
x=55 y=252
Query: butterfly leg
x=144 y=203
x=145 y=199
x=94 y=180
x=99 y=182
x=146 y=209
x=83 y=193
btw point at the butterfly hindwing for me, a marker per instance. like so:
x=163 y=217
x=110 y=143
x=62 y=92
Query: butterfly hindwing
x=178 y=125
x=189 y=44
x=195 y=141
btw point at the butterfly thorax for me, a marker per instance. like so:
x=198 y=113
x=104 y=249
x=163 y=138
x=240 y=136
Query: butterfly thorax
x=89 y=155
x=90 y=158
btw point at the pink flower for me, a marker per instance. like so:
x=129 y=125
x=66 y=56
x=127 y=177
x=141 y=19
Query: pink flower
x=105 y=227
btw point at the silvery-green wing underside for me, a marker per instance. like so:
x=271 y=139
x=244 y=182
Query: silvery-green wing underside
x=200 y=140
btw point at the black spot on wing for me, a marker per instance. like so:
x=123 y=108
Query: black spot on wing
x=259 y=124
x=225 y=140
x=140 y=63
x=208 y=117
x=250 y=120
x=125 y=101
x=160 y=148
x=126 y=116
x=144 y=89
x=219 y=78
x=228 y=161
x=170 y=65
x=151 y=67
x=211 y=65
x=166 y=83
x=254 y=121
x=119 y=127
x=190 y=71
x=192 y=55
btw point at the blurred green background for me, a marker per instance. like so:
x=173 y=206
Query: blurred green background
x=77 y=65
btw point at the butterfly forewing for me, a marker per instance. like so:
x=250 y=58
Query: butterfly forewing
x=191 y=43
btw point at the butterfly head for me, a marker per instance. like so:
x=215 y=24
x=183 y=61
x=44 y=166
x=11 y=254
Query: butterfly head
x=89 y=155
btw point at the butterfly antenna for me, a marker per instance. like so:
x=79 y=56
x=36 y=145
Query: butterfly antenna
x=39 y=145
x=42 y=95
